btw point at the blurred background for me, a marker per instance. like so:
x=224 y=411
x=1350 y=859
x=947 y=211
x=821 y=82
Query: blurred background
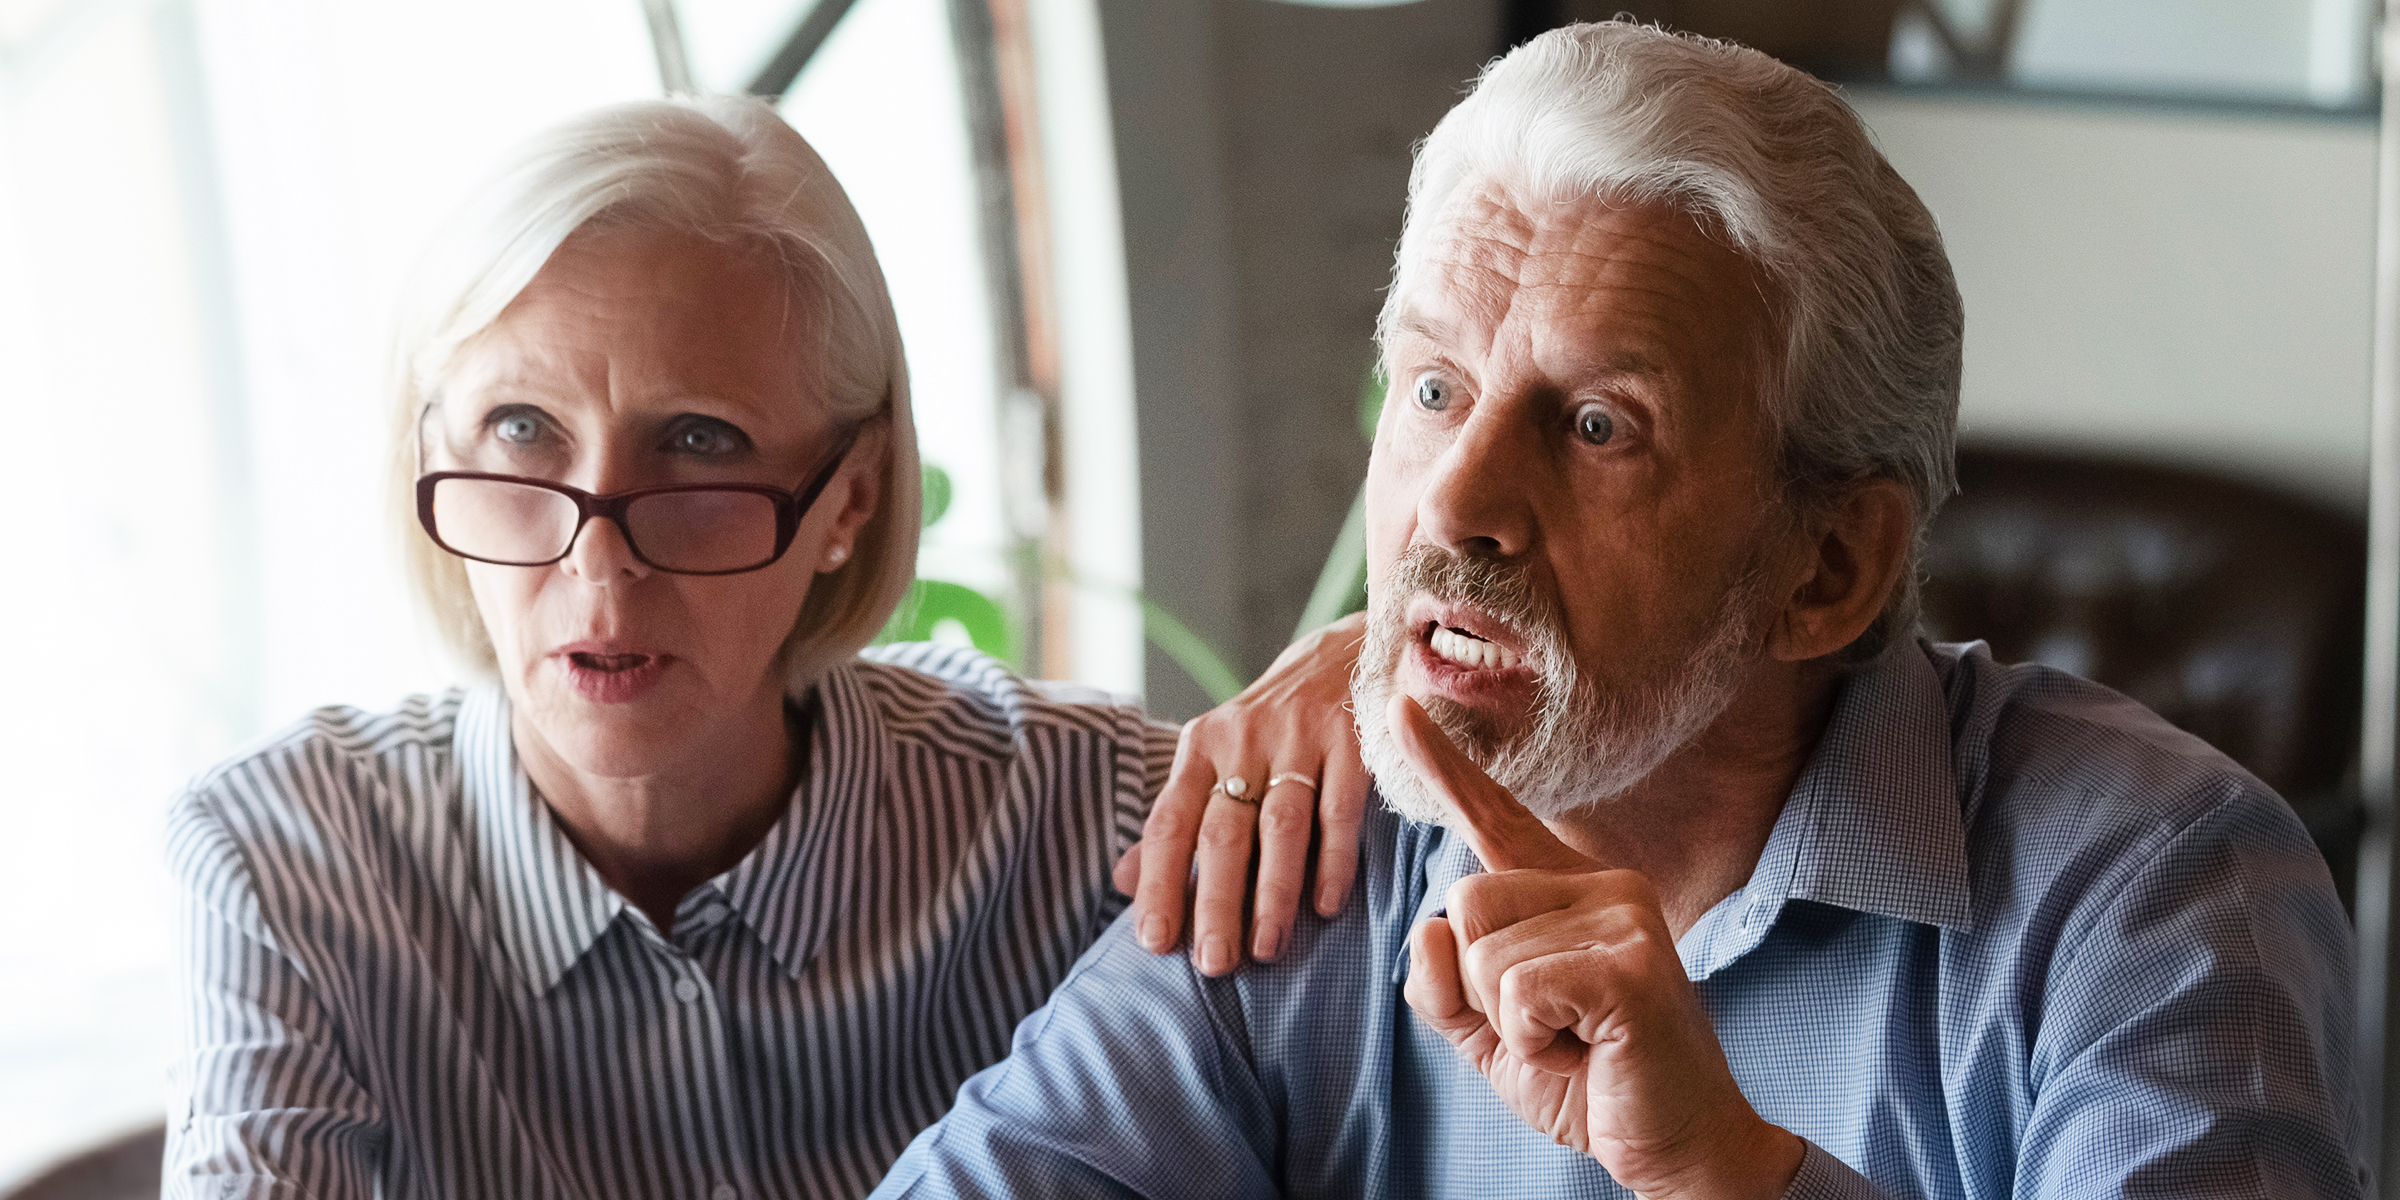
x=1137 y=247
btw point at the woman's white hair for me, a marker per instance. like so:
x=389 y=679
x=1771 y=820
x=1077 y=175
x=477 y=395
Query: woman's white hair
x=721 y=168
x=1866 y=382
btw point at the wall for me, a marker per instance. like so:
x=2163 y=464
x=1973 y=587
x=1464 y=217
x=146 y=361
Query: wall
x=2184 y=284
x=1263 y=152
x=2181 y=284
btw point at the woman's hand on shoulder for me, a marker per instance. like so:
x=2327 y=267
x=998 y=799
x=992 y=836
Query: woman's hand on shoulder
x=1291 y=741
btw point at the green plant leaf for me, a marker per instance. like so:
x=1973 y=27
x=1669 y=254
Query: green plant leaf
x=937 y=494
x=1342 y=584
x=1370 y=401
x=1191 y=652
x=932 y=601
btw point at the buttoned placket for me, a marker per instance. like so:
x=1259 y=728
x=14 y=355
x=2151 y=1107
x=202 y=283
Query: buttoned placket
x=702 y=915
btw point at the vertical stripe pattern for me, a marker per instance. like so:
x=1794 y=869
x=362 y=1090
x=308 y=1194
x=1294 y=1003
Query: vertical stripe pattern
x=398 y=977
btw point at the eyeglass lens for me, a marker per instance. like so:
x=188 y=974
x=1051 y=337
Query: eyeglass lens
x=515 y=523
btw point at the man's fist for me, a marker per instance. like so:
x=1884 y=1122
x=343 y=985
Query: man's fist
x=1559 y=980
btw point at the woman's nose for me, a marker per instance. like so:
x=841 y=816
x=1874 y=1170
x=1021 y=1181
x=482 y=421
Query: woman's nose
x=601 y=556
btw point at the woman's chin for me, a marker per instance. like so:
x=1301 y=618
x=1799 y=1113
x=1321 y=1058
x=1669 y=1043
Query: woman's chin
x=613 y=728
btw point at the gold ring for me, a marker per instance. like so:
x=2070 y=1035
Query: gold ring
x=1293 y=777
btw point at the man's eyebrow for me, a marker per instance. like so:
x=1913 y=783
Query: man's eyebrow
x=1621 y=362
x=1628 y=362
x=1417 y=324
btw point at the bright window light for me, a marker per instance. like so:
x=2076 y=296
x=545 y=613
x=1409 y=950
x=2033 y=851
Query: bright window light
x=207 y=211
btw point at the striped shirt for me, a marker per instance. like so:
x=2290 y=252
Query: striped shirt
x=399 y=976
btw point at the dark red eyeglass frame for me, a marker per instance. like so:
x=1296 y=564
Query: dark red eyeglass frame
x=790 y=508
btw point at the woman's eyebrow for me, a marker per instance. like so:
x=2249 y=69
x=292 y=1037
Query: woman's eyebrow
x=512 y=388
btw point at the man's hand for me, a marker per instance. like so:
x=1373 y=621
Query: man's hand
x=1559 y=980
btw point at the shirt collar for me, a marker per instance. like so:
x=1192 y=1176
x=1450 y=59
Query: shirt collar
x=809 y=873
x=1872 y=824
x=549 y=906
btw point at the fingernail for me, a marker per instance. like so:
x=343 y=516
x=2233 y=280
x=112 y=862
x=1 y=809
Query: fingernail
x=1150 y=933
x=1269 y=943
x=1216 y=957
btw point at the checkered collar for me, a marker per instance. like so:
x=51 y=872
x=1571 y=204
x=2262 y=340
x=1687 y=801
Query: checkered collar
x=547 y=906
x=1872 y=824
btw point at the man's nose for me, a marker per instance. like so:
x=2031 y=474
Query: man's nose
x=601 y=556
x=1477 y=501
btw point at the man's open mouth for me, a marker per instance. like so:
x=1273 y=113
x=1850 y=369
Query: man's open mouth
x=1454 y=645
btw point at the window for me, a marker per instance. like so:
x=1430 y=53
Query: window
x=2308 y=52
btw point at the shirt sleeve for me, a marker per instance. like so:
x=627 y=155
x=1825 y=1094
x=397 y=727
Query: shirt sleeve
x=260 y=1100
x=2192 y=1037
x=1131 y=1082
x=1145 y=755
x=1824 y=1177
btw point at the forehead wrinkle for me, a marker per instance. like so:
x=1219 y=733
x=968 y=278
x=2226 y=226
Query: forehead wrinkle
x=1641 y=291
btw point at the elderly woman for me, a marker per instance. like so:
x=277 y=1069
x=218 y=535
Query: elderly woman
x=690 y=898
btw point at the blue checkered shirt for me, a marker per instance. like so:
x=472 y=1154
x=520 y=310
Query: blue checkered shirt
x=2012 y=935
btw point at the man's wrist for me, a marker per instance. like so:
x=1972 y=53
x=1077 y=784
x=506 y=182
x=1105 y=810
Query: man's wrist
x=1758 y=1165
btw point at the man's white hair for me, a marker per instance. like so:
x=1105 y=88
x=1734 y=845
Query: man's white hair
x=1771 y=160
x=723 y=168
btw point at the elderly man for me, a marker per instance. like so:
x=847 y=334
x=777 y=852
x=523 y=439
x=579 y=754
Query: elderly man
x=1775 y=897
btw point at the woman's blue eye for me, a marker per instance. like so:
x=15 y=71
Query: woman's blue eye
x=706 y=438
x=516 y=427
x=1594 y=425
x=1433 y=393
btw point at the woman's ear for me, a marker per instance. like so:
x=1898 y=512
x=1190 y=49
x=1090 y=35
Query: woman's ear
x=855 y=493
x=1848 y=571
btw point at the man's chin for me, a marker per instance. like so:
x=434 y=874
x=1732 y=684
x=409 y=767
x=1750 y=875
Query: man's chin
x=1406 y=794
x=1404 y=791
x=1483 y=732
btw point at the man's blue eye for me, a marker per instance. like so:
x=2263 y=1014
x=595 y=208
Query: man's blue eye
x=1433 y=393
x=1594 y=425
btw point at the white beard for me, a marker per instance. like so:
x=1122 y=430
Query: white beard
x=1583 y=747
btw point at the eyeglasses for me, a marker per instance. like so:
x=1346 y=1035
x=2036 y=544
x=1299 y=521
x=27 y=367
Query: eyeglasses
x=686 y=529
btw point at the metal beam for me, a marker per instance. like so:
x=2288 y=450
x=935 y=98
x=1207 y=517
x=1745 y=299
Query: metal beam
x=666 y=41
x=776 y=77
x=2379 y=740
x=997 y=139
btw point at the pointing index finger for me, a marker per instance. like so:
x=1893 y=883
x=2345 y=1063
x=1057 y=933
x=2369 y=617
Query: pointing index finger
x=1504 y=835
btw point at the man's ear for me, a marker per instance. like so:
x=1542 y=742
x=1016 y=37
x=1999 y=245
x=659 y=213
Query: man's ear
x=1859 y=547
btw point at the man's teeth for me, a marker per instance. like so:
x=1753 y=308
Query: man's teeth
x=1470 y=651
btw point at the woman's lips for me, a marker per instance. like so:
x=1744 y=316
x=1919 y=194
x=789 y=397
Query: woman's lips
x=606 y=678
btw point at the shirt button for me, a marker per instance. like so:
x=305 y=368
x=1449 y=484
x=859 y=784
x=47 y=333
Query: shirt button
x=687 y=991
x=724 y=1191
